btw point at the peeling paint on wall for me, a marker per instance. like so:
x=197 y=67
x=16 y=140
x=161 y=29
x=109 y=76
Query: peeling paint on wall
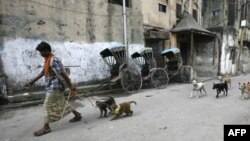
x=21 y=62
x=227 y=66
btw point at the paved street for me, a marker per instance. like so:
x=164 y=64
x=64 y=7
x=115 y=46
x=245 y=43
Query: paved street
x=160 y=115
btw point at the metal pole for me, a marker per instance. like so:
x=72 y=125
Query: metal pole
x=125 y=29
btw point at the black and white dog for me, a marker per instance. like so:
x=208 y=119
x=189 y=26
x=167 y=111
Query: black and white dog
x=197 y=86
x=221 y=87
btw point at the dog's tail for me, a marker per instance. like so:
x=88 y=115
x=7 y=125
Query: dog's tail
x=132 y=102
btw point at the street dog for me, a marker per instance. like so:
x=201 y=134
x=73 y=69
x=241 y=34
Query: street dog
x=221 y=87
x=121 y=108
x=245 y=90
x=197 y=86
x=225 y=79
x=103 y=106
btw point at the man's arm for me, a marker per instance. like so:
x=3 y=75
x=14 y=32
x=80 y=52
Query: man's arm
x=67 y=79
x=29 y=84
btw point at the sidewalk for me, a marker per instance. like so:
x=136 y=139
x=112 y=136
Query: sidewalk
x=36 y=98
x=206 y=78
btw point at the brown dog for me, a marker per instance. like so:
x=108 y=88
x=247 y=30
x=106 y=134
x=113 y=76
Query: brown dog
x=125 y=107
x=226 y=79
x=245 y=90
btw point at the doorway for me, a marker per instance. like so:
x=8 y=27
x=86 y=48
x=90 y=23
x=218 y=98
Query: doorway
x=185 y=52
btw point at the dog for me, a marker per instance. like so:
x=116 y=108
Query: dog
x=197 y=86
x=125 y=107
x=245 y=90
x=103 y=106
x=225 y=79
x=221 y=87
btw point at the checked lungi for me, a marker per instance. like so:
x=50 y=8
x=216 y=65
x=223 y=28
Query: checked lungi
x=54 y=105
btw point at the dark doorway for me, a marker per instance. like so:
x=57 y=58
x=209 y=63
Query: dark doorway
x=185 y=52
x=157 y=47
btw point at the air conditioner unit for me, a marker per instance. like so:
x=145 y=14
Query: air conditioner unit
x=243 y=23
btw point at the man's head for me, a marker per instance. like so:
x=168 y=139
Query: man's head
x=44 y=49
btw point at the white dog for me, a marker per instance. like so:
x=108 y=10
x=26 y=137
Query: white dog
x=198 y=86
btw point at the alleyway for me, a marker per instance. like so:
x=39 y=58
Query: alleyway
x=160 y=115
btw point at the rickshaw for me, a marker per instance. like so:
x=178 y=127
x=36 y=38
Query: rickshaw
x=158 y=77
x=174 y=66
x=120 y=71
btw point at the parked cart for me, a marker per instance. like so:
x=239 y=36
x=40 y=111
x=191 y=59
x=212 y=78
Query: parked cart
x=120 y=71
x=174 y=66
x=158 y=77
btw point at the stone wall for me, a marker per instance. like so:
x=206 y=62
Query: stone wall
x=206 y=54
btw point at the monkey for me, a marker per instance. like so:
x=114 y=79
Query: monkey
x=118 y=110
x=104 y=105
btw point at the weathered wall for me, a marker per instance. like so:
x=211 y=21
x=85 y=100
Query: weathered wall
x=155 y=18
x=166 y=20
x=86 y=56
x=206 y=56
x=76 y=29
x=245 y=59
x=72 y=20
x=228 y=60
x=217 y=17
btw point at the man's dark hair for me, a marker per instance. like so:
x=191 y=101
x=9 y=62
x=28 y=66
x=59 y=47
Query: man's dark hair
x=43 y=46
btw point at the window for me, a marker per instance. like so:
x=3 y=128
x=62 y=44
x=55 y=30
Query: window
x=162 y=8
x=232 y=15
x=195 y=14
x=178 y=10
x=120 y=2
x=215 y=13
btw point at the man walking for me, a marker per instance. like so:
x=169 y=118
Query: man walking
x=55 y=78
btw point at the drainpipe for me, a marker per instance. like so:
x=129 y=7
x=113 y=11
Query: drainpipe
x=125 y=29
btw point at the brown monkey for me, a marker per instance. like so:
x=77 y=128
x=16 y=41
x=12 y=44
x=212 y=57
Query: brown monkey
x=118 y=110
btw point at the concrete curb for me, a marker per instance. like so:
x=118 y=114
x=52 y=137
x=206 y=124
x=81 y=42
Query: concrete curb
x=36 y=98
x=37 y=102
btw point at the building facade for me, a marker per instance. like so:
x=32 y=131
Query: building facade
x=160 y=18
x=230 y=20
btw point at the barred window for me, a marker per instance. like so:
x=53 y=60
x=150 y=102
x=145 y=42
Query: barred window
x=120 y=2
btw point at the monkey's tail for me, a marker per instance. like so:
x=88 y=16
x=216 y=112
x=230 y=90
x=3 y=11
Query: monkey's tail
x=132 y=102
x=113 y=99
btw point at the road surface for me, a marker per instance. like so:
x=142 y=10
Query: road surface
x=160 y=115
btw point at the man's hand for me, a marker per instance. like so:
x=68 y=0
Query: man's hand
x=73 y=91
x=29 y=84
